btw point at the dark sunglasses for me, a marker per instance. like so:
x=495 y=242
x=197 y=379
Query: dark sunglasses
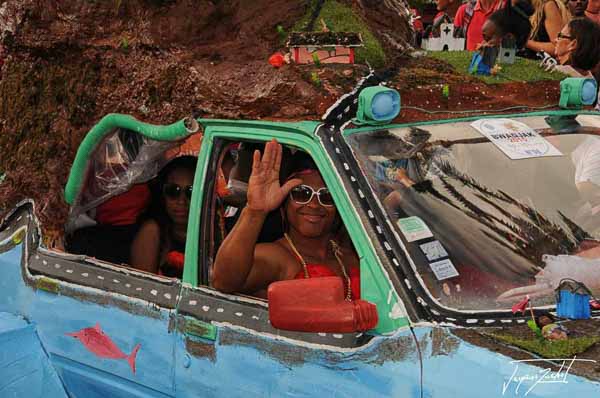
x=303 y=194
x=174 y=191
x=561 y=36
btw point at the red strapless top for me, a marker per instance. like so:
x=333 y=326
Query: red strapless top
x=320 y=271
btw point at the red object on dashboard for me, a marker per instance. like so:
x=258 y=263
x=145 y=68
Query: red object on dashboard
x=318 y=305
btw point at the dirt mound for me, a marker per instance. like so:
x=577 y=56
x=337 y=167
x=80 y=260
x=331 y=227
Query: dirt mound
x=70 y=62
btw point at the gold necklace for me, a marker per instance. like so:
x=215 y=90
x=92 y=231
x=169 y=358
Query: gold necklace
x=337 y=252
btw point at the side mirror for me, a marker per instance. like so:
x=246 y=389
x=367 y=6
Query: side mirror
x=318 y=305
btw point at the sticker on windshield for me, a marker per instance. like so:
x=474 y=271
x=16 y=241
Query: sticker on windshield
x=433 y=250
x=413 y=228
x=443 y=269
x=515 y=139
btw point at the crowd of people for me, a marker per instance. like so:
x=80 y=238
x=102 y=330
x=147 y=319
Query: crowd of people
x=566 y=30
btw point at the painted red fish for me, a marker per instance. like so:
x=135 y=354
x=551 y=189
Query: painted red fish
x=96 y=341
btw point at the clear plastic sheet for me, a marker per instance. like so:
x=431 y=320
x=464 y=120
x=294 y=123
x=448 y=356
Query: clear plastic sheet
x=122 y=159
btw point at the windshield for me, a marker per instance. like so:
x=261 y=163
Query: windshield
x=493 y=210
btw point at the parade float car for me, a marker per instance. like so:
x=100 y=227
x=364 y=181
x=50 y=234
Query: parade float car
x=453 y=221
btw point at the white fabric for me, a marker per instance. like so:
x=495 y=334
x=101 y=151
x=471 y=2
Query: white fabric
x=586 y=158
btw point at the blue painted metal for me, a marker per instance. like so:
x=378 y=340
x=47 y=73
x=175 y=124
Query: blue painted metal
x=258 y=366
x=465 y=370
x=25 y=368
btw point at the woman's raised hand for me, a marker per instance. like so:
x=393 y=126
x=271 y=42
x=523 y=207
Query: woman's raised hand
x=265 y=194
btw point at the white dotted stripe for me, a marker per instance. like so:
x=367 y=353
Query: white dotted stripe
x=154 y=292
x=407 y=284
x=37 y=257
x=19 y=218
x=337 y=336
x=337 y=150
x=387 y=246
x=370 y=213
x=520 y=320
x=451 y=319
x=506 y=320
x=322 y=334
x=379 y=230
x=361 y=194
x=220 y=310
x=435 y=312
x=472 y=320
x=395 y=261
x=346 y=166
x=205 y=308
x=255 y=317
x=168 y=296
x=488 y=321
x=239 y=314
x=192 y=302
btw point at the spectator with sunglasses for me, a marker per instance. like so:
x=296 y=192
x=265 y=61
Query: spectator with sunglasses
x=310 y=246
x=159 y=244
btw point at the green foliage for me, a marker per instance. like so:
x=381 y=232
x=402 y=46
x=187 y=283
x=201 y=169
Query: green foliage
x=446 y=91
x=341 y=18
x=535 y=328
x=551 y=348
x=282 y=34
x=316 y=59
x=124 y=44
x=315 y=79
x=522 y=70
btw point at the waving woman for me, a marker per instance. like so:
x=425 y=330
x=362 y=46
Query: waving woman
x=309 y=247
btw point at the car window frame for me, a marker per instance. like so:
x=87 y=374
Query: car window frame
x=382 y=295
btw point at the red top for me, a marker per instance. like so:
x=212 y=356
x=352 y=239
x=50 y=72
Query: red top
x=125 y=208
x=474 y=30
x=321 y=271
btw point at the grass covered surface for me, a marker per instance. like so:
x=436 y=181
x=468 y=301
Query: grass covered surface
x=340 y=18
x=550 y=349
x=523 y=70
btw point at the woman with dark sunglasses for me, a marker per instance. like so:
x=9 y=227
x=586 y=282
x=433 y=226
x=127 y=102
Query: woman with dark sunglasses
x=310 y=246
x=159 y=245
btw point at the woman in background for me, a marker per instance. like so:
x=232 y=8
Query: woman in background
x=159 y=245
x=548 y=19
x=576 y=47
